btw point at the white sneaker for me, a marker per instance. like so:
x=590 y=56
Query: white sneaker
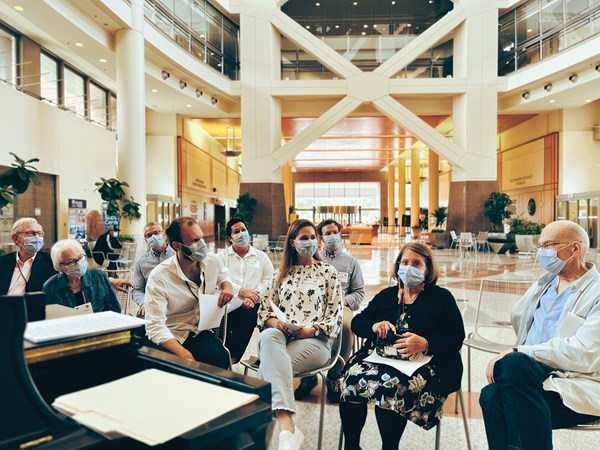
x=290 y=441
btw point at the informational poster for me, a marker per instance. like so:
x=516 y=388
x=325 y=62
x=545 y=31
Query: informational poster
x=77 y=219
x=109 y=221
x=7 y=215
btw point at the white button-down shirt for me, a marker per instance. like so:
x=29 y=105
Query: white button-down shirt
x=171 y=298
x=253 y=271
x=21 y=275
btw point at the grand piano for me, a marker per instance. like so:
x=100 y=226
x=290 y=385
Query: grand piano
x=33 y=375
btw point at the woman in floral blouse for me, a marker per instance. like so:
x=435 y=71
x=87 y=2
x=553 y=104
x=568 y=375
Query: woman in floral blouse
x=425 y=320
x=309 y=294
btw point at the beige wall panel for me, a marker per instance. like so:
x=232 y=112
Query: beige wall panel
x=523 y=166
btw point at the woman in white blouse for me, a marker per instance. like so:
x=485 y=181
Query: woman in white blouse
x=251 y=271
x=309 y=294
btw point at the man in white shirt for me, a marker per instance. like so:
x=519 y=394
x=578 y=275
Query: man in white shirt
x=251 y=271
x=551 y=379
x=27 y=269
x=172 y=296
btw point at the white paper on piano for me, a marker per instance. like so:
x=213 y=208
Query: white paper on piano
x=210 y=312
x=406 y=367
x=570 y=325
x=80 y=325
x=150 y=406
x=281 y=316
x=55 y=311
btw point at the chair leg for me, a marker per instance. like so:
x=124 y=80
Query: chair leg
x=322 y=410
x=341 y=440
x=469 y=368
x=464 y=417
x=437 y=435
x=456 y=404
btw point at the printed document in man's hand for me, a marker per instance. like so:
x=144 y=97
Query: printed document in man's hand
x=80 y=326
x=125 y=408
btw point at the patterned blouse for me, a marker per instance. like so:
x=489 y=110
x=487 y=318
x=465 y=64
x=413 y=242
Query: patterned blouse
x=308 y=295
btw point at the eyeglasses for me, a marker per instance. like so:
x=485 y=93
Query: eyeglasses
x=71 y=263
x=32 y=233
x=154 y=233
x=549 y=245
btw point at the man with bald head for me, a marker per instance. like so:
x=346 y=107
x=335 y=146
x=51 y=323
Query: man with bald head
x=551 y=379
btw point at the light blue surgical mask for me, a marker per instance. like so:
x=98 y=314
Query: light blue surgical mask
x=332 y=241
x=33 y=244
x=307 y=248
x=411 y=276
x=550 y=261
x=196 y=252
x=241 y=239
x=156 y=242
x=78 y=270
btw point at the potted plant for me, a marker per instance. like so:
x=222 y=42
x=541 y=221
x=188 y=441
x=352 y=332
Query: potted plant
x=438 y=237
x=16 y=180
x=519 y=228
x=118 y=205
x=246 y=206
x=496 y=209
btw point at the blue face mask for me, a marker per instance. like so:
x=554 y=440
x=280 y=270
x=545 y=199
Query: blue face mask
x=550 y=261
x=332 y=241
x=78 y=270
x=197 y=251
x=156 y=242
x=241 y=239
x=307 y=249
x=33 y=244
x=411 y=276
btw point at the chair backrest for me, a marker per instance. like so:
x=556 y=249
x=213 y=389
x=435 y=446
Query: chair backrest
x=482 y=236
x=260 y=241
x=496 y=300
x=453 y=235
x=336 y=347
x=466 y=238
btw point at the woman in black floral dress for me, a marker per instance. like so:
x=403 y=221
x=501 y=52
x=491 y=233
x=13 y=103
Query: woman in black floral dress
x=426 y=320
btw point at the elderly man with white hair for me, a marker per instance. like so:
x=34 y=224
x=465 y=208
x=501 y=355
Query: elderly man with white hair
x=27 y=269
x=76 y=284
x=551 y=379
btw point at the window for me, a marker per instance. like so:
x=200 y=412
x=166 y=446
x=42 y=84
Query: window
x=74 y=87
x=49 y=78
x=98 y=104
x=112 y=111
x=8 y=57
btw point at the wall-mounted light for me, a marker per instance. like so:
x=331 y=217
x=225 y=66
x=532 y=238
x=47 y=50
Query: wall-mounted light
x=548 y=87
x=526 y=95
x=199 y=93
x=573 y=78
x=165 y=75
x=182 y=84
x=214 y=100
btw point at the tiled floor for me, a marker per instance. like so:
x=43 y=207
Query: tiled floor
x=462 y=275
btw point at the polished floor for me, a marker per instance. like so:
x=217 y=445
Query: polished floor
x=462 y=274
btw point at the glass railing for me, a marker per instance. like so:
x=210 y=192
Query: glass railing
x=200 y=29
x=539 y=29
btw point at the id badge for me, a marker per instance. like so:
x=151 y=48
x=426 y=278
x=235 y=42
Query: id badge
x=86 y=308
x=343 y=277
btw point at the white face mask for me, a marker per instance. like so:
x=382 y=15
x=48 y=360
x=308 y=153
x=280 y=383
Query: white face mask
x=332 y=241
x=411 y=276
x=550 y=261
x=241 y=239
x=78 y=270
x=156 y=242
x=307 y=248
x=33 y=244
x=195 y=252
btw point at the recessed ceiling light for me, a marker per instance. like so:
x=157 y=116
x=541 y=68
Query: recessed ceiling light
x=202 y=36
x=529 y=30
x=355 y=3
x=308 y=27
x=363 y=33
x=588 y=100
x=19 y=8
x=551 y=101
x=408 y=25
x=154 y=90
x=337 y=26
x=79 y=44
x=317 y=4
x=393 y=3
x=365 y=26
x=188 y=106
x=102 y=60
x=430 y=2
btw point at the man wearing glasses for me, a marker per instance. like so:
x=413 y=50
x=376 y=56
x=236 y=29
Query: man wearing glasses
x=158 y=251
x=551 y=379
x=27 y=269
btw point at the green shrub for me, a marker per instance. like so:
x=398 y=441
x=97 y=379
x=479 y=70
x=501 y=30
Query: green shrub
x=519 y=225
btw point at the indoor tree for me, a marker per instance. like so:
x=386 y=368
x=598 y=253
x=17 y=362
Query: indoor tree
x=496 y=209
x=16 y=180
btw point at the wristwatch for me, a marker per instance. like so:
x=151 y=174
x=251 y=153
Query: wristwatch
x=317 y=330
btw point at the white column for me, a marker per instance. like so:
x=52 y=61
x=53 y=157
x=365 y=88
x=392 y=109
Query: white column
x=434 y=183
x=391 y=210
x=131 y=123
x=415 y=186
x=401 y=190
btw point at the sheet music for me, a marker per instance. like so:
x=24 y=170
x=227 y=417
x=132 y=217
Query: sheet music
x=150 y=406
x=80 y=325
x=281 y=316
x=210 y=312
x=406 y=367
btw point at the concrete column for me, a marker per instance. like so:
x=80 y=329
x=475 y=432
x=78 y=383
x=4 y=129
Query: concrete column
x=401 y=189
x=415 y=186
x=131 y=123
x=391 y=209
x=434 y=183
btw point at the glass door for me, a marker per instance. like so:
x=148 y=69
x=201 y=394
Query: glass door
x=582 y=214
x=593 y=223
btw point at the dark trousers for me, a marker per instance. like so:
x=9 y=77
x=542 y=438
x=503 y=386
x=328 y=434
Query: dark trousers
x=208 y=349
x=518 y=413
x=240 y=325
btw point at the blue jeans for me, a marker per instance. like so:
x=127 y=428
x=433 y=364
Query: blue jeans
x=518 y=413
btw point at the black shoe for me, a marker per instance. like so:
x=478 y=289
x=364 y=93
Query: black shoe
x=333 y=390
x=306 y=386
